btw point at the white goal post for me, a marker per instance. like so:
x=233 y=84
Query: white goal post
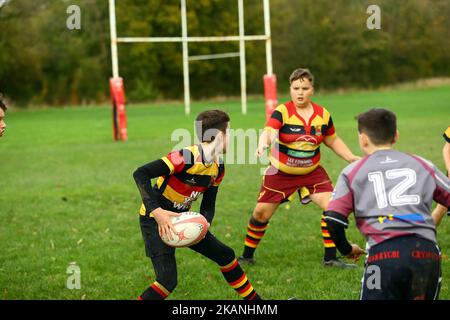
x=185 y=40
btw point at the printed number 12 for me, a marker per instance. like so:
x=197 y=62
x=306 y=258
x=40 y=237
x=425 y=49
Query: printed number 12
x=396 y=196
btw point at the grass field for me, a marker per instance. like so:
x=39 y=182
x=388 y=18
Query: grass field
x=67 y=195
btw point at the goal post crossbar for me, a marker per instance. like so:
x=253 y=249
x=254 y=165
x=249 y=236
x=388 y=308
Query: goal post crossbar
x=185 y=40
x=191 y=39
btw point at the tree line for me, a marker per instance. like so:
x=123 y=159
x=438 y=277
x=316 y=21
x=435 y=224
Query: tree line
x=43 y=62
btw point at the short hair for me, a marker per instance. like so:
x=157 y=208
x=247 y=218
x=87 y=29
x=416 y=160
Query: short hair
x=379 y=124
x=209 y=122
x=2 y=104
x=301 y=73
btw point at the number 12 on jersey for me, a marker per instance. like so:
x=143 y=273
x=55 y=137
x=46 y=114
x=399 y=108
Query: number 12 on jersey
x=395 y=196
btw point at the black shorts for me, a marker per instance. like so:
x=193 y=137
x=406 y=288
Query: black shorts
x=154 y=246
x=403 y=268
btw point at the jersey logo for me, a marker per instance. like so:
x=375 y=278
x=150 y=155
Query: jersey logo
x=308 y=139
x=388 y=160
x=192 y=182
x=318 y=131
x=187 y=201
x=295 y=129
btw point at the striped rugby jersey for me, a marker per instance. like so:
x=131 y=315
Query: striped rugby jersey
x=447 y=134
x=189 y=178
x=297 y=148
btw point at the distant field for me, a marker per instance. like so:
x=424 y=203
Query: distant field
x=67 y=195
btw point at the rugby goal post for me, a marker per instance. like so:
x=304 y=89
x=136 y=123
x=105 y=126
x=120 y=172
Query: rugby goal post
x=116 y=83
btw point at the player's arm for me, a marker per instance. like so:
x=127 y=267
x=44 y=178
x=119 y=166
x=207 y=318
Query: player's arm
x=440 y=211
x=337 y=224
x=442 y=192
x=270 y=131
x=208 y=205
x=446 y=155
x=336 y=217
x=143 y=176
x=338 y=146
x=266 y=139
x=150 y=197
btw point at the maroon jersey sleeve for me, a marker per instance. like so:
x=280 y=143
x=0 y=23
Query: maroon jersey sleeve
x=342 y=197
x=442 y=192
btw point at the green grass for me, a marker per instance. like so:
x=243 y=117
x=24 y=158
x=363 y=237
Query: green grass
x=67 y=195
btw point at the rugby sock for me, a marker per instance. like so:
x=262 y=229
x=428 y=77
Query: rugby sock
x=155 y=292
x=330 y=247
x=237 y=278
x=255 y=232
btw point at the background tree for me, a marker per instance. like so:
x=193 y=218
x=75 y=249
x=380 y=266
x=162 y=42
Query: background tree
x=42 y=62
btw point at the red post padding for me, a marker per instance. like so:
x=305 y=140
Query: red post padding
x=270 y=93
x=119 y=112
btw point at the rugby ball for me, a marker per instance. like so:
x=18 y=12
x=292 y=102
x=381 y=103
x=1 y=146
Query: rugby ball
x=191 y=227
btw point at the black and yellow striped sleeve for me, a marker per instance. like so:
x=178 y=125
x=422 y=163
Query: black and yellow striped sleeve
x=447 y=135
x=220 y=175
x=143 y=176
x=275 y=121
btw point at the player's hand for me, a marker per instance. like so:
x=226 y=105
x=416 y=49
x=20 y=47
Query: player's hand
x=165 y=226
x=356 y=253
x=260 y=150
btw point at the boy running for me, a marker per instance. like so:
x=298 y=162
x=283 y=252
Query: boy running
x=183 y=176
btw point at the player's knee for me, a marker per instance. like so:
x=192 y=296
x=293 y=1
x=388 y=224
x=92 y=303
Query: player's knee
x=261 y=215
x=227 y=256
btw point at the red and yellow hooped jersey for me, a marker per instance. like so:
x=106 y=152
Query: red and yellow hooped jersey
x=189 y=178
x=297 y=148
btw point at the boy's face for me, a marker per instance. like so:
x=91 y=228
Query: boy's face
x=2 y=122
x=301 y=91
